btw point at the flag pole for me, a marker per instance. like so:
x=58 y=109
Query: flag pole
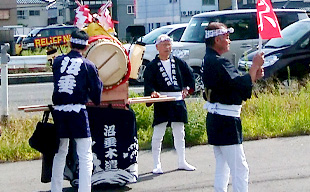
x=260 y=43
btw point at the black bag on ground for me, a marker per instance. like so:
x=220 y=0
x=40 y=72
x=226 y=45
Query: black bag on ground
x=44 y=137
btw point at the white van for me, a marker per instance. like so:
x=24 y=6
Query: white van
x=191 y=47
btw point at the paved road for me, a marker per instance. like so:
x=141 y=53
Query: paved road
x=276 y=165
x=35 y=94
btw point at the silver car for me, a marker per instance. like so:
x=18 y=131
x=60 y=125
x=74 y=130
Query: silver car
x=174 y=31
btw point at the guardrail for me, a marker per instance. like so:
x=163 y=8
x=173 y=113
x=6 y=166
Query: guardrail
x=14 y=62
x=26 y=61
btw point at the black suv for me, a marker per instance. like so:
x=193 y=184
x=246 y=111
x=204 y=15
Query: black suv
x=287 y=56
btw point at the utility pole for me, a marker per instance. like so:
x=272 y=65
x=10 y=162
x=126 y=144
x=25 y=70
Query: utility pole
x=234 y=4
x=5 y=58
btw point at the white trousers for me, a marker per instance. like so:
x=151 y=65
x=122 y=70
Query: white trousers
x=84 y=152
x=179 y=141
x=230 y=160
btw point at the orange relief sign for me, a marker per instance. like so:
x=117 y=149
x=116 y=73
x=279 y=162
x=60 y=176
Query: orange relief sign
x=55 y=40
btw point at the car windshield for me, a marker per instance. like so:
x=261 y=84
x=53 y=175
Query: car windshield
x=33 y=33
x=195 y=31
x=19 y=39
x=151 y=37
x=290 y=35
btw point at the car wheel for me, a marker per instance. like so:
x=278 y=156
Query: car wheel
x=198 y=80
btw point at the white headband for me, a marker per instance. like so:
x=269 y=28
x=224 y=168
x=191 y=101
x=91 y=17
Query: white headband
x=163 y=38
x=217 y=32
x=79 y=41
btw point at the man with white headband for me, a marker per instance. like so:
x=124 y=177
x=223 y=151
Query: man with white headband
x=75 y=81
x=168 y=75
x=225 y=90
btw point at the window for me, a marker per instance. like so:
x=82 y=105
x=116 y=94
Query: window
x=176 y=34
x=4 y=14
x=208 y=2
x=60 y=12
x=243 y=24
x=34 y=13
x=22 y=14
x=130 y=9
x=173 y=1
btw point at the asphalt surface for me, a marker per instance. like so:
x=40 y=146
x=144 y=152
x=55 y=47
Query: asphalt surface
x=276 y=165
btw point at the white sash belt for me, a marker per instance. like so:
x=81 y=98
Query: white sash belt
x=177 y=95
x=70 y=107
x=223 y=109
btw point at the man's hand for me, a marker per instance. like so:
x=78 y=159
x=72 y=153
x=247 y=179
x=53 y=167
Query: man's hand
x=256 y=71
x=185 y=92
x=155 y=94
x=260 y=73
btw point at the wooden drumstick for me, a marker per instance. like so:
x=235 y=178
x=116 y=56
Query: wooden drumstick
x=150 y=100
x=105 y=62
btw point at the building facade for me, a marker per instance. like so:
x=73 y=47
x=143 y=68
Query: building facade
x=123 y=12
x=153 y=14
x=289 y=4
x=8 y=13
x=32 y=13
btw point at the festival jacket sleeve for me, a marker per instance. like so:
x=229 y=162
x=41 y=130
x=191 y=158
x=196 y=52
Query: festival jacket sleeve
x=227 y=85
x=239 y=83
x=148 y=80
x=94 y=83
x=187 y=75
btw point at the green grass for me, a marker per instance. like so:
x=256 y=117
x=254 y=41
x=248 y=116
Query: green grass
x=42 y=51
x=14 y=140
x=273 y=111
x=277 y=114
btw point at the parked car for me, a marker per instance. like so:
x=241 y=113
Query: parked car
x=286 y=56
x=175 y=31
x=191 y=47
x=47 y=36
x=19 y=43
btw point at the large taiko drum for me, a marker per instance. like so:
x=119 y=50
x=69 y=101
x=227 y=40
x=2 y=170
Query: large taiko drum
x=111 y=59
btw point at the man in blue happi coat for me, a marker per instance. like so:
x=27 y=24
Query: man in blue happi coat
x=225 y=90
x=76 y=81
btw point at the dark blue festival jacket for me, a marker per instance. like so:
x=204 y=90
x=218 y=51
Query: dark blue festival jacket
x=82 y=78
x=229 y=87
x=156 y=79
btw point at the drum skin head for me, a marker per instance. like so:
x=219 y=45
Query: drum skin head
x=110 y=59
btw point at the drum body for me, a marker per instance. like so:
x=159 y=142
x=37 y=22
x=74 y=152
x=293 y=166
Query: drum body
x=111 y=59
x=136 y=57
x=115 y=148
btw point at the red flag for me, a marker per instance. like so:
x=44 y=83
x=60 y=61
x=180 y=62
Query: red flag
x=104 y=16
x=82 y=16
x=268 y=25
